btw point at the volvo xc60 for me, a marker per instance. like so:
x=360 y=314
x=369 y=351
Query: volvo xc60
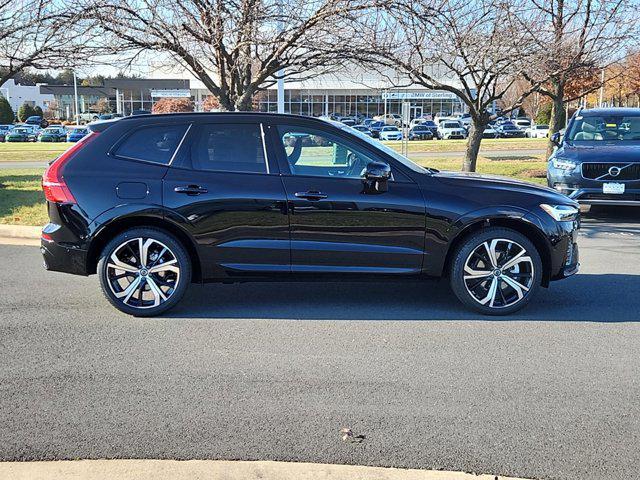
x=152 y=203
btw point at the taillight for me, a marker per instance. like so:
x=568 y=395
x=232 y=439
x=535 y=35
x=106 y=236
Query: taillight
x=53 y=184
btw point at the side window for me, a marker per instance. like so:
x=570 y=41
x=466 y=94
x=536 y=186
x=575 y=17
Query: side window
x=229 y=148
x=156 y=143
x=320 y=154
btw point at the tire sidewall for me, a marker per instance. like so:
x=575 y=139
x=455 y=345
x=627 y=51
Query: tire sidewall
x=176 y=247
x=469 y=244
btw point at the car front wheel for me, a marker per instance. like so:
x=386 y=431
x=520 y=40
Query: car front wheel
x=144 y=271
x=496 y=271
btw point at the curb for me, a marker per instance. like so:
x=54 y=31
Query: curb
x=19 y=235
x=217 y=470
x=20 y=231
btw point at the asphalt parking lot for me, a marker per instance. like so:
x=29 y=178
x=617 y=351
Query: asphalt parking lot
x=273 y=371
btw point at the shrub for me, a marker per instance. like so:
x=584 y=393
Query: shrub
x=25 y=111
x=38 y=111
x=172 y=105
x=6 y=112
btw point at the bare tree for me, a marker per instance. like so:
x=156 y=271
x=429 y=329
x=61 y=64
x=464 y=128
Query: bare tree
x=41 y=34
x=580 y=35
x=235 y=48
x=475 y=49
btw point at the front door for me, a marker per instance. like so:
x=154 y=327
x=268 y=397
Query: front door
x=338 y=225
x=228 y=194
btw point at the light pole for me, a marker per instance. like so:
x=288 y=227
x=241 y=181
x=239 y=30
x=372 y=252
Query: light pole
x=75 y=94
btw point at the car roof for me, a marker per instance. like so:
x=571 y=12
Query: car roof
x=610 y=111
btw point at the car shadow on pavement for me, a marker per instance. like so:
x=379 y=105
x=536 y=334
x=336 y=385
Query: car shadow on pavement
x=584 y=297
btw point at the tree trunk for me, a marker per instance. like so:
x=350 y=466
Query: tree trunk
x=473 y=146
x=557 y=114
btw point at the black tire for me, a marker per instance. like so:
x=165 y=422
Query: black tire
x=526 y=273
x=176 y=282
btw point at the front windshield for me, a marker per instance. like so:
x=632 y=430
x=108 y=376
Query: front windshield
x=381 y=146
x=605 y=128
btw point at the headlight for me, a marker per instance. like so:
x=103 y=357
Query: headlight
x=563 y=164
x=561 y=213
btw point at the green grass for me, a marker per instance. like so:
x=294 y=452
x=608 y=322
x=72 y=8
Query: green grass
x=31 y=151
x=21 y=198
x=460 y=145
x=531 y=170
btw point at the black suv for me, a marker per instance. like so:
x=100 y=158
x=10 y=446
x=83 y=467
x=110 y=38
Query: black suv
x=597 y=161
x=152 y=203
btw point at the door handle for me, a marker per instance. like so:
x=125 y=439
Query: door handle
x=311 y=195
x=190 y=189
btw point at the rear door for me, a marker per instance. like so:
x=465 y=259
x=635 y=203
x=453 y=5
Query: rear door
x=226 y=191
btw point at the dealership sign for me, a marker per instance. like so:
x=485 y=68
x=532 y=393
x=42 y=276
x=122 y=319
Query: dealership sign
x=418 y=95
x=171 y=93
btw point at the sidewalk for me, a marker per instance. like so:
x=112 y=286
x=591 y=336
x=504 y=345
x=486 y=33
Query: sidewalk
x=216 y=470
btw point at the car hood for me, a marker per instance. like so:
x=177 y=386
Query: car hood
x=601 y=153
x=496 y=183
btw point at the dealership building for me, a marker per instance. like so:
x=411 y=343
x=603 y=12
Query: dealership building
x=369 y=97
x=358 y=92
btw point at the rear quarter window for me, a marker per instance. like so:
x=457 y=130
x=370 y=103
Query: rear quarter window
x=155 y=143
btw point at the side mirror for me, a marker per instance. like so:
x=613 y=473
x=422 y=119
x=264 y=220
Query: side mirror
x=556 y=139
x=376 y=176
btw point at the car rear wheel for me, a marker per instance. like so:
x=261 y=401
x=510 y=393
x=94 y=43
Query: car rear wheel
x=144 y=271
x=496 y=271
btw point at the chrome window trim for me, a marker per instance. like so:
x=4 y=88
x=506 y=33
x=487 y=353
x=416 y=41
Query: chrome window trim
x=264 y=148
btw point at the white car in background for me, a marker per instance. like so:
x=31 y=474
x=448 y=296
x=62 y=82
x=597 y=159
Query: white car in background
x=448 y=129
x=464 y=119
x=389 y=119
x=390 y=133
x=522 y=123
x=537 y=131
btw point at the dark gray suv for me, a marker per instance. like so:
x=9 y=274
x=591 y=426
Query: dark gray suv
x=597 y=162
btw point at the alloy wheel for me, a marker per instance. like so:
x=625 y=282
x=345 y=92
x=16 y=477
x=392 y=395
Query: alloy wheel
x=498 y=273
x=142 y=272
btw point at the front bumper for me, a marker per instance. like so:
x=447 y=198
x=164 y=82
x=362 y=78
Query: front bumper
x=589 y=192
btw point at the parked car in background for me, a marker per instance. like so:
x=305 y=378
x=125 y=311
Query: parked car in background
x=431 y=125
x=420 y=132
x=375 y=128
x=390 y=132
x=416 y=121
x=438 y=117
x=597 y=161
x=76 y=134
x=56 y=133
x=509 y=130
x=367 y=121
x=4 y=130
x=537 y=131
x=363 y=129
x=348 y=121
x=390 y=119
x=464 y=119
x=88 y=116
x=37 y=121
x=21 y=134
x=168 y=211
x=490 y=132
x=140 y=112
x=522 y=123
x=105 y=116
x=450 y=129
